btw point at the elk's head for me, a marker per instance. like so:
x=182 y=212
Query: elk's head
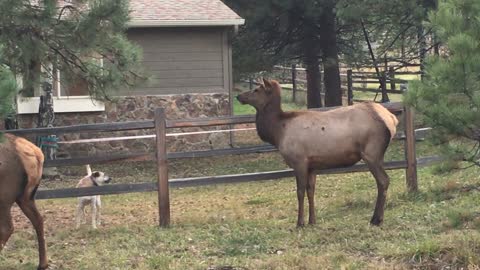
x=264 y=94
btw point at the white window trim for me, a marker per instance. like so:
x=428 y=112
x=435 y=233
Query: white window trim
x=61 y=104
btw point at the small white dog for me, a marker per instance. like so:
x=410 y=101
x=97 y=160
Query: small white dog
x=92 y=179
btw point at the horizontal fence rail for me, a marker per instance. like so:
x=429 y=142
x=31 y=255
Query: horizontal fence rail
x=100 y=127
x=209 y=180
x=103 y=159
x=394 y=107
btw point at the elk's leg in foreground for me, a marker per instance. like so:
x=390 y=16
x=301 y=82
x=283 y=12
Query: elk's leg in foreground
x=6 y=224
x=30 y=210
x=312 y=179
x=378 y=171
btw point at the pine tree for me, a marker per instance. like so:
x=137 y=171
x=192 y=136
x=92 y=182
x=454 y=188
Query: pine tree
x=71 y=36
x=449 y=96
x=314 y=32
x=8 y=89
x=300 y=30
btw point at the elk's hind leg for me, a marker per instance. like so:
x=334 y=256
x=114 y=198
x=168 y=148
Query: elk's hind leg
x=30 y=210
x=6 y=224
x=381 y=177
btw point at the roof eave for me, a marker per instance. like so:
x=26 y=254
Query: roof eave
x=180 y=23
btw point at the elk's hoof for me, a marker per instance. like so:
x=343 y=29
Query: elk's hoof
x=376 y=221
x=42 y=267
x=300 y=225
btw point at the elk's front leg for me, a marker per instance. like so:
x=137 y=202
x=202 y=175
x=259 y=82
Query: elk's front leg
x=312 y=179
x=302 y=179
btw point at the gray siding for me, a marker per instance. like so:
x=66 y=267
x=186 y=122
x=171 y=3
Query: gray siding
x=183 y=60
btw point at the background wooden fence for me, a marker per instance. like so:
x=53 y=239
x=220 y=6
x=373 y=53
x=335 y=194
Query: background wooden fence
x=161 y=125
x=389 y=81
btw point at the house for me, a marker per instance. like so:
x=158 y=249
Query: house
x=187 y=53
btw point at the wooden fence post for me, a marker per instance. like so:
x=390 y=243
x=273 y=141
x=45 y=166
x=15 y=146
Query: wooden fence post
x=383 y=85
x=410 y=155
x=294 y=83
x=162 y=168
x=250 y=83
x=391 y=74
x=349 y=87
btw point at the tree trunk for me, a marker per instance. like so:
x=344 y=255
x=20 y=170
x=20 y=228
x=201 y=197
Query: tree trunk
x=328 y=43
x=311 y=51
x=314 y=99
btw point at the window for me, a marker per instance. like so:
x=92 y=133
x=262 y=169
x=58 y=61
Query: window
x=68 y=95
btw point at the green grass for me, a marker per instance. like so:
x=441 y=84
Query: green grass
x=360 y=95
x=252 y=225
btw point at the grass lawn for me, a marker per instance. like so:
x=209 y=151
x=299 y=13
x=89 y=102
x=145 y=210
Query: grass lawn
x=360 y=95
x=252 y=225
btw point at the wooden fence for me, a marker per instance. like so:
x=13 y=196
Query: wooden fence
x=160 y=124
x=387 y=81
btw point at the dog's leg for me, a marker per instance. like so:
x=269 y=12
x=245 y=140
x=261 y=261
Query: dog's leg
x=84 y=215
x=99 y=208
x=94 y=214
x=80 y=213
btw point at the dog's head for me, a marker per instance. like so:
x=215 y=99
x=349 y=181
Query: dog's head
x=100 y=178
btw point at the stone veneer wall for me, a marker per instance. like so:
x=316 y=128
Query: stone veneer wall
x=142 y=108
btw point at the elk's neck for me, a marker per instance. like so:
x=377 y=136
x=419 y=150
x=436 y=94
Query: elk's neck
x=268 y=120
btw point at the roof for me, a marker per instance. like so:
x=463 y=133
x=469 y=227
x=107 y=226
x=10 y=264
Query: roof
x=163 y=13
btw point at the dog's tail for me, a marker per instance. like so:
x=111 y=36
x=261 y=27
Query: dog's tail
x=89 y=170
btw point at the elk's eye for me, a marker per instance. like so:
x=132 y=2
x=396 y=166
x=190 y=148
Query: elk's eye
x=256 y=90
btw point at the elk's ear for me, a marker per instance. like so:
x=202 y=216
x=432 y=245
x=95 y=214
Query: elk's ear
x=96 y=174
x=260 y=82
x=267 y=83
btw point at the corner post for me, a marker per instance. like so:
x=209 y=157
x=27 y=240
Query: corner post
x=162 y=168
x=410 y=155
x=294 y=83
x=349 y=87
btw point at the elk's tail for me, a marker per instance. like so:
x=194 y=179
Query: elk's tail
x=387 y=117
x=32 y=159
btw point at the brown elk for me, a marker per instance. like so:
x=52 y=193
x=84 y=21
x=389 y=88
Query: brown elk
x=313 y=140
x=21 y=165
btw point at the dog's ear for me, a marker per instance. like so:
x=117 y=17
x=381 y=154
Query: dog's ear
x=96 y=174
